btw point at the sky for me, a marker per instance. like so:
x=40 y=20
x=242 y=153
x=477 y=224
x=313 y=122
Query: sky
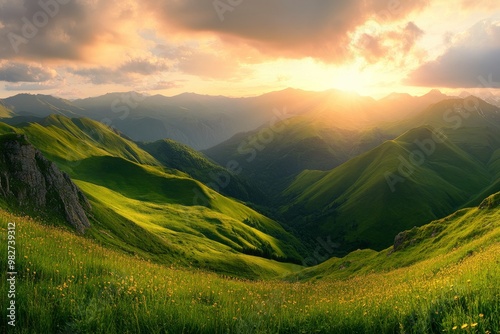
x=81 y=48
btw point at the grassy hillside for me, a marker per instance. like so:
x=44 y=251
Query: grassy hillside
x=69 y=140
x=181 y=157
x=365 y=202
x=5 y=128
x=140 y=206
x=442 y=243
x=173 y=203
x=67 y=283
x=4 y=111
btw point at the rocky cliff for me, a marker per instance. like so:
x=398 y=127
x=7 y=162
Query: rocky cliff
x=31 y=182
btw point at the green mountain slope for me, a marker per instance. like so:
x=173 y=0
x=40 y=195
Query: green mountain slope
x=402 y=183
x=140 y=205
x=441 y=243
x=271 y=156
x=455 y=113
x=67 y=141
x=4 y=111
x=181 y=157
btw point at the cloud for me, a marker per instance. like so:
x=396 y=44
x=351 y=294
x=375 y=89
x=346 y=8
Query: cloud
x=94 y=32
x=20 y=72
x=392 y=45
x=102 y=75
x=163 y=85
x=23 y=86
x=471 y=61
x=63 y=29
x=127 y=73
x=475 y=4
x=209 y=60
x=143 y=66
x=286 y=28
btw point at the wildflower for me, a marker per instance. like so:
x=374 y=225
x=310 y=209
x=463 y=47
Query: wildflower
x=474 y=324
x=455 y=327
x=481 y=315
x=464 y=326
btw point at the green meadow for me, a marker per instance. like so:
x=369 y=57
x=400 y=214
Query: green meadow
x=444 y=279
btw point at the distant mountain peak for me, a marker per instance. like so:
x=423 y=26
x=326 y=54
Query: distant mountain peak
x=396 y=95
x=463 y=94
x=435 y=93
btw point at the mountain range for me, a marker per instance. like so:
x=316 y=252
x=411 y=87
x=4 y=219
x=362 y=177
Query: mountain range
x=204 y=121
x=328 y=163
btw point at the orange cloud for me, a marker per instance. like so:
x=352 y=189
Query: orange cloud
x=65 y=29
x=282 y=28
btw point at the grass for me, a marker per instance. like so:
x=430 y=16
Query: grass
x=4 y=111
x=444 y=241
x=169 y=233
x=66 y=141
x=67 y=283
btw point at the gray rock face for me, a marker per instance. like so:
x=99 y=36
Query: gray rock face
x=30 y=181
x=399 y=240
x=491 y=202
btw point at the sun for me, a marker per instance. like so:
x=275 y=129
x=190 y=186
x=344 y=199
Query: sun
x=351 y=79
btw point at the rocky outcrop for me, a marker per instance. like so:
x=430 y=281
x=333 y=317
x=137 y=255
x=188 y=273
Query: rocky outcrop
x=491 y=202
x=31 y=182
x=405 y=239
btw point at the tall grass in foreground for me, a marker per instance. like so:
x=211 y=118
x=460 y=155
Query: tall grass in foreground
x=68 y=284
